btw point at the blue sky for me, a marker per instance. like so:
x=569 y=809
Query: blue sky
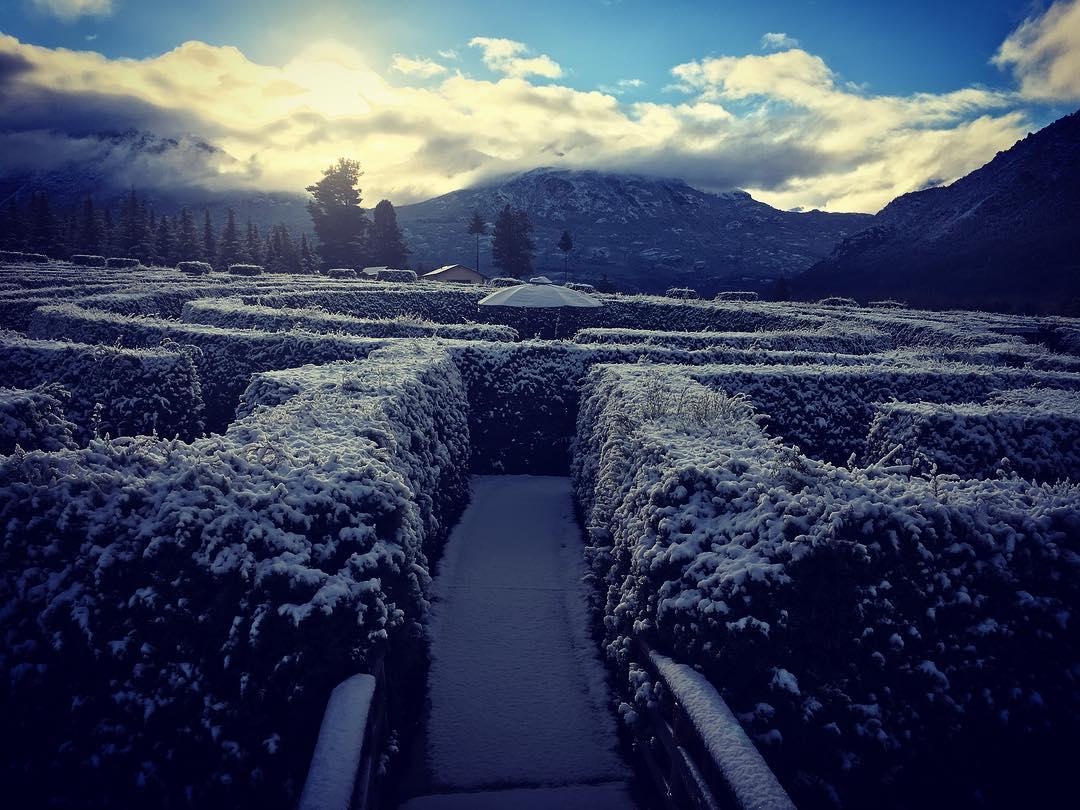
x=719 y=85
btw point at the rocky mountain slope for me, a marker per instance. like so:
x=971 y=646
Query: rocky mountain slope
x=641 y=233
x=1006 y=236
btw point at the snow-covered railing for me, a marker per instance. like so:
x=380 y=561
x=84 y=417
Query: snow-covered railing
x=699 y=756
x=344 y=767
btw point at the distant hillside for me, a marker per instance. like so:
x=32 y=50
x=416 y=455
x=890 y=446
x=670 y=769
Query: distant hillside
x=1006 y=236
x=642 y=233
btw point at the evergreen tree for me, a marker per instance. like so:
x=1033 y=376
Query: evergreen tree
x=282 y=253
x=477 y=227
x=566 y=244
x=12 y=226
x=254 y=244
x=387 y=244
x=165 y=242
x=89 y=238
x=42 y=228
x=129 y=228
x=308 y=262
x=512 y=247
x=340 y=222
x=108 y=233
x=188 y=245
x=209 y=243
x=230 y=250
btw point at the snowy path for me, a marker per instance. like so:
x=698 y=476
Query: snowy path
x=518 y=698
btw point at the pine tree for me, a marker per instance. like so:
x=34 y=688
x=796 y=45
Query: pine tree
x=340 y=222
x=308 y=262
x=254 y=244
x=188 y=245
x=230 y=250
x=165 y=243
x=13 y=228
x=387 y=244
x=209 y=243
x=89 y=238
x=477 y=227
x=42 y=228
x=512 y=247
x=108 y=233
x=566 y=244
x=129 y=228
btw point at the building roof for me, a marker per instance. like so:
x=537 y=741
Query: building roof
x=448 y=267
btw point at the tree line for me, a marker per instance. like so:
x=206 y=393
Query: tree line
x=133 y=229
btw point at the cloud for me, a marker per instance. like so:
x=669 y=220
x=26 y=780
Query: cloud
x=1044 y=54
x=71 y=10
x=621 y=86
x=507 y=56
x=778 y=42
x=781 y=125
x=424 y=68
x=448 y=53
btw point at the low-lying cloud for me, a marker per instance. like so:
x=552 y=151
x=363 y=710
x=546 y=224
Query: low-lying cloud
x=779 y=124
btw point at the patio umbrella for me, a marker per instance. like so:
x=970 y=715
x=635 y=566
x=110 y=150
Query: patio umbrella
x=540 y=293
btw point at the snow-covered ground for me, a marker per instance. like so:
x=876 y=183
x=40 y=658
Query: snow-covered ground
x=518 y=697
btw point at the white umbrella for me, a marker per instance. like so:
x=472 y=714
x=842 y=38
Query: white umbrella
x=539 y=295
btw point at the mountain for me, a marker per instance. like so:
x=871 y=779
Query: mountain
x=168 y=172
x=641 y=233
x=1006 y=236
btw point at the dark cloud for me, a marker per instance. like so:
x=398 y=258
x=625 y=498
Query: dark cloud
x=12 y=65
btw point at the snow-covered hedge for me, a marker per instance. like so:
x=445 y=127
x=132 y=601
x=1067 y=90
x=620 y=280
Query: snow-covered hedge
x=684 y=293
x=390 y=274
x=194 y=268
x=737 y=295
x=182 y=612
x=1032 y=432
x=34 y=420
x=342 y=272
x=837 y=301
x=114 y=391
x=887 y=303
x=120 y=261
x=233 y=313
x=225 y=358
x=872 y=631
x=580 y=287
x=88 y=260
x=827 y=409
x=505 y=281
x=246 y=269
x=848 y=341
x=11 y=256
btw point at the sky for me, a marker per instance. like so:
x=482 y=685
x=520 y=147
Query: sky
x=830 y=105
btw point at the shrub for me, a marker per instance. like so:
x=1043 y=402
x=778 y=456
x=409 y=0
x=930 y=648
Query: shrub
x=736 y=295
x=342 y=272
x=88 y=260
x=245 y=269
x=389 y=274
x=34 y=420
x=585 y=288
x=837 y=301
x=194 y=268
x=12 y=256
x=887 y=303
x=34 y=258
x=120 y=262
x=682 y=293
x=185 y=610
x=505 y=281
x=120 y=392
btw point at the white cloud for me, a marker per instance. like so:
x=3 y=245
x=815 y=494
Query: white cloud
x=780 y=125
x=70 y=10
x=422 y=67
x=621 y=86
x=507 y=56
x=777 y=42
x=1044 y=54
x=448 y=53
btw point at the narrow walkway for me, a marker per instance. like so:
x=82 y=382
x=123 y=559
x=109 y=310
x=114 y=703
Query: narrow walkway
x=519 y=708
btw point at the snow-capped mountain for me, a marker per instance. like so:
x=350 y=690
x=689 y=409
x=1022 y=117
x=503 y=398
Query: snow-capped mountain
x=642 y=233
x=1005 y=236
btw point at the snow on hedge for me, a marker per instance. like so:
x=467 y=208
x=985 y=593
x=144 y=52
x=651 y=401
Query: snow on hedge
x=848 y=341
x=1034 y=433
x=114 y=391
x=173 y=630
x=34 y=420
x=826 y=409
x=233 y=313
x=867 y=627
x=225 y=358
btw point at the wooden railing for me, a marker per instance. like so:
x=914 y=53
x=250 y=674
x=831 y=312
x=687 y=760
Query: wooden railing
x=344 y=771
x=696 y=753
